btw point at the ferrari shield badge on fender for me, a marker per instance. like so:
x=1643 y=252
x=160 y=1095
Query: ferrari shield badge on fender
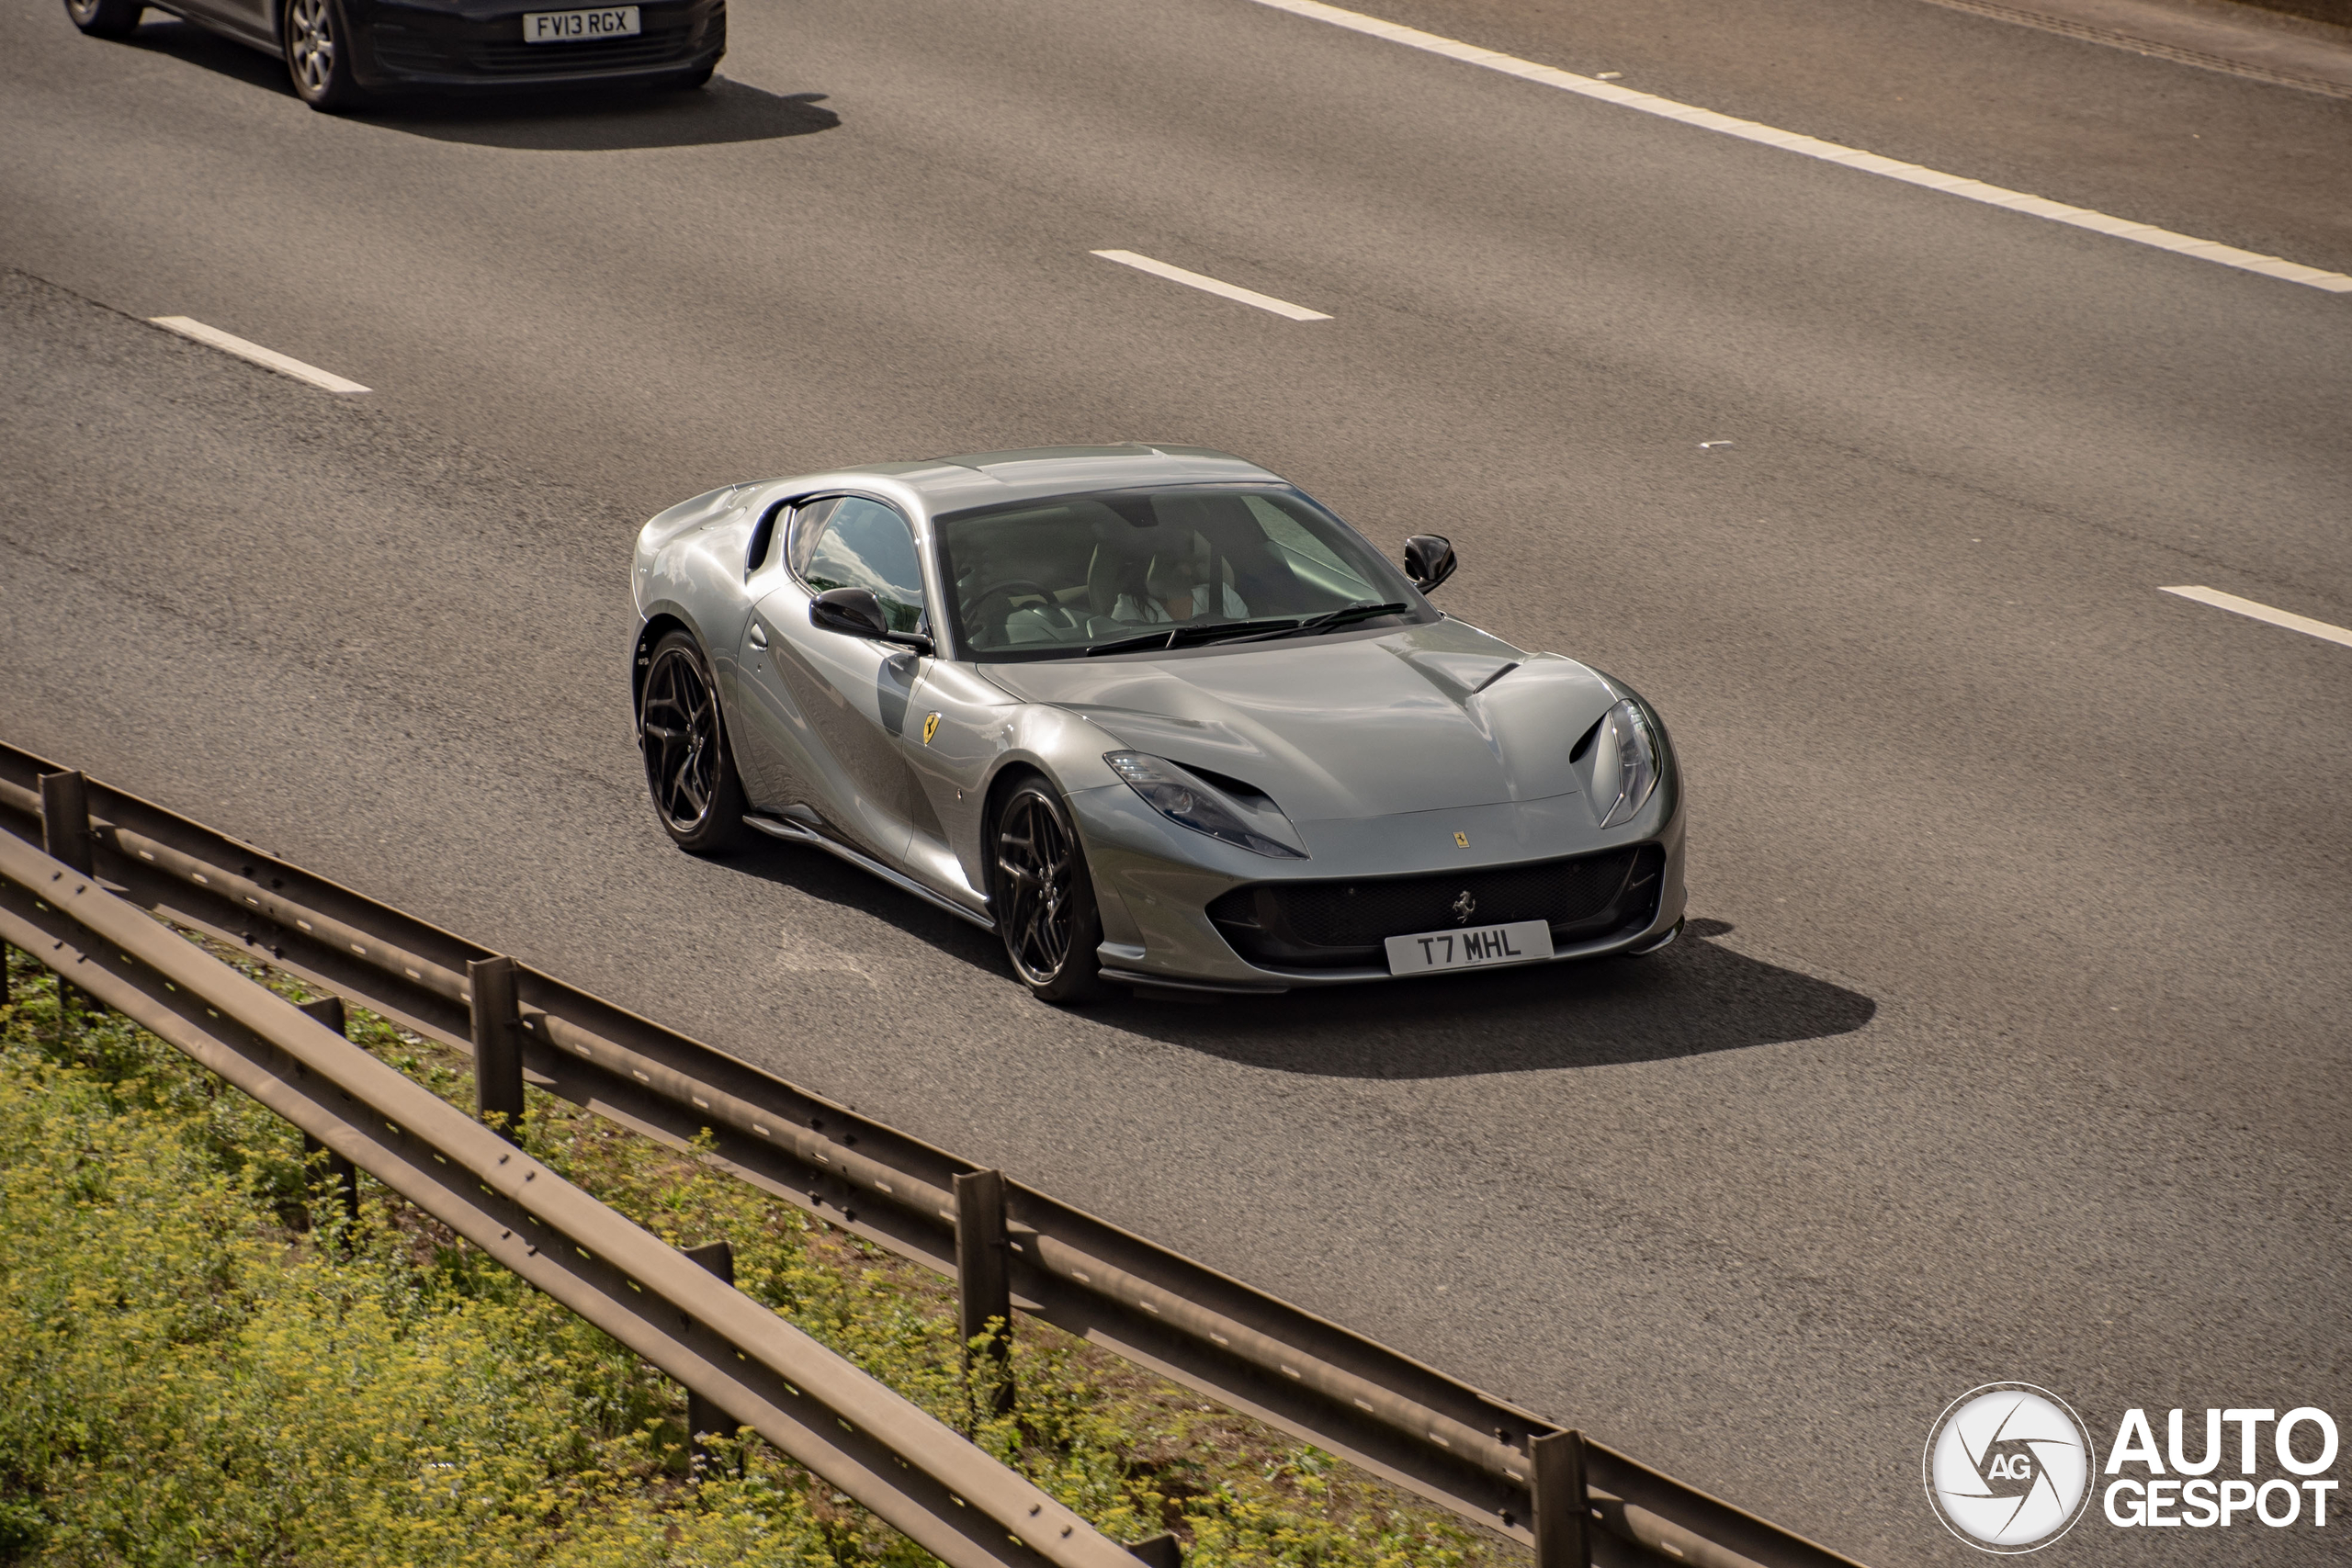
x=930 y=728
x=1461 y=840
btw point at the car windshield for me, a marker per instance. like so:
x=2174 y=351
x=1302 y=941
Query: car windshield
x=1056 y=579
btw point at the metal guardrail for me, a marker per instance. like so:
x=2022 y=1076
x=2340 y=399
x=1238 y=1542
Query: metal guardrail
x=908 y=1469
x=1574 y=1500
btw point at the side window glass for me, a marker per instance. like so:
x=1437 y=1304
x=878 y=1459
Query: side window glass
x=864 y=544
x=807 y=521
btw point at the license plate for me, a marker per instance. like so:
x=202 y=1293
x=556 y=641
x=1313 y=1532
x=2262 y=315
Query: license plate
x=573 y=27
x=1478 y=947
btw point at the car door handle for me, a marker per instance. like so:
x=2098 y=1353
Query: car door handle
x=759 y=635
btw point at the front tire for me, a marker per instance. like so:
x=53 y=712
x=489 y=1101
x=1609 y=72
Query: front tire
x=317 y=55
x=689 y=768
x=105 y=18
x=1044 y=896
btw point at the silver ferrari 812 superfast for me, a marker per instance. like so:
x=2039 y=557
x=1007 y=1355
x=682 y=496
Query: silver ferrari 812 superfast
x=1152 y=715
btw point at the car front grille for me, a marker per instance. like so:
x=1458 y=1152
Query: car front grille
x=668 y=39
x=608 y=55
x=1341 y=925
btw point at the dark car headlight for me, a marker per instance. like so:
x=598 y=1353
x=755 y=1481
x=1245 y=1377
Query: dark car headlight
x=1185 y=798
x=1626 y=762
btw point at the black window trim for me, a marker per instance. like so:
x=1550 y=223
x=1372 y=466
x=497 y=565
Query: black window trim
x=761 y=543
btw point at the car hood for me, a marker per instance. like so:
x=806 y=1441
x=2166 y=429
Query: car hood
x=1431 y=717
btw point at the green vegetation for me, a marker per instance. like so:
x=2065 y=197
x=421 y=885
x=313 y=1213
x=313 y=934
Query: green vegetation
x=189 y=1373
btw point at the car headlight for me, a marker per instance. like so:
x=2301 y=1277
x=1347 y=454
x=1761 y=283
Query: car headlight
x=1182 y=797
x=1625 y=763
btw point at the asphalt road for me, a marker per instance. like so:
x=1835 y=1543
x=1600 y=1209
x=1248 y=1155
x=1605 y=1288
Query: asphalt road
x=2009 y=1043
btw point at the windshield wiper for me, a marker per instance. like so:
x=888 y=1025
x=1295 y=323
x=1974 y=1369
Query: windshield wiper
x=1331 y=620
x=1186 y=634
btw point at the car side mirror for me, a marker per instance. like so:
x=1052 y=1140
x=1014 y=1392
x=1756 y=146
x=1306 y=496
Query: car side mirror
x=1429 y=560
x=855 y=612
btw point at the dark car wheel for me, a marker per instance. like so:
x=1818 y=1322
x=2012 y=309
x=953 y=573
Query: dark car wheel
x=689 y=767
x=105 y=18
x=317 y=55
x=1044 y=896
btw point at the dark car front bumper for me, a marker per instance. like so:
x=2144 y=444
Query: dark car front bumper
x=460 y=46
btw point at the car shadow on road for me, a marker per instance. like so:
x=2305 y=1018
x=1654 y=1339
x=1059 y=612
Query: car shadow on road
x=590 y=121
x=814 y=873
x=1696 y=997
x=608 y=121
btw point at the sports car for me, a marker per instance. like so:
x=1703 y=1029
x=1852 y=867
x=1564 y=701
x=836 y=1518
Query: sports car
x=1152 y=715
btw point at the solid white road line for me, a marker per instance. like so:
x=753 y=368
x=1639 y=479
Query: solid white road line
x=1211 y=285
x=215 y=338
x=1811 y=147
x=2286 y=618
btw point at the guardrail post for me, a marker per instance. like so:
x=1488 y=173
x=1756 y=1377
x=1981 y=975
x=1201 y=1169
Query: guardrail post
x=984 y=1277
x=65 y=820
x=1563 y=1508
x=702 y=1415
x=329 y=1010
x=65 y=835
x=1162 y=1551
x=498 y=1045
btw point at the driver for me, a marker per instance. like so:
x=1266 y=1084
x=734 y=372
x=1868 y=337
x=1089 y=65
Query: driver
x=1173 y=590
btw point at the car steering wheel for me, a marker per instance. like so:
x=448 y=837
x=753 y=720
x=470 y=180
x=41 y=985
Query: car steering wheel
x=1006 y=589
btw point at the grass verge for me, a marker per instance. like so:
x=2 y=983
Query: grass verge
x=191 y=1372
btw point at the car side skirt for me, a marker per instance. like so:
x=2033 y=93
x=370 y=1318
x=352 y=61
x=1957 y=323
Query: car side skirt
x=794 y=833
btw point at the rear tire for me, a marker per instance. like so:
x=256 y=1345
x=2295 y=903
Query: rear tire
x=1044 y=896
x=317 y=55
x=105 y=18
x=689 y=768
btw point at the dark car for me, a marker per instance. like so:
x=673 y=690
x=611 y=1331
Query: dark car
x=340 y=51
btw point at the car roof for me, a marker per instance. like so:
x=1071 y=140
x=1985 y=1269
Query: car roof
x=982 y=479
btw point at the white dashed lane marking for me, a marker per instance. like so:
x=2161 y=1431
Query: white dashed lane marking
x=2286 y=618
x=1812 y=147
x=285 y=365
x=1211 y=286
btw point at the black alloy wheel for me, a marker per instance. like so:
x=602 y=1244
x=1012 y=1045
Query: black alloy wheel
x=105 y=18
x=317 y=58
x=687 y=765
x=1044 y=897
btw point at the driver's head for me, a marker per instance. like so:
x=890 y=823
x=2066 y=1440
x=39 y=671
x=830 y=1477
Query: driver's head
x=1174 y=579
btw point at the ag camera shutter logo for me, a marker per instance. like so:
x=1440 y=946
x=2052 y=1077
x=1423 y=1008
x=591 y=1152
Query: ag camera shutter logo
x=2009 y=1467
